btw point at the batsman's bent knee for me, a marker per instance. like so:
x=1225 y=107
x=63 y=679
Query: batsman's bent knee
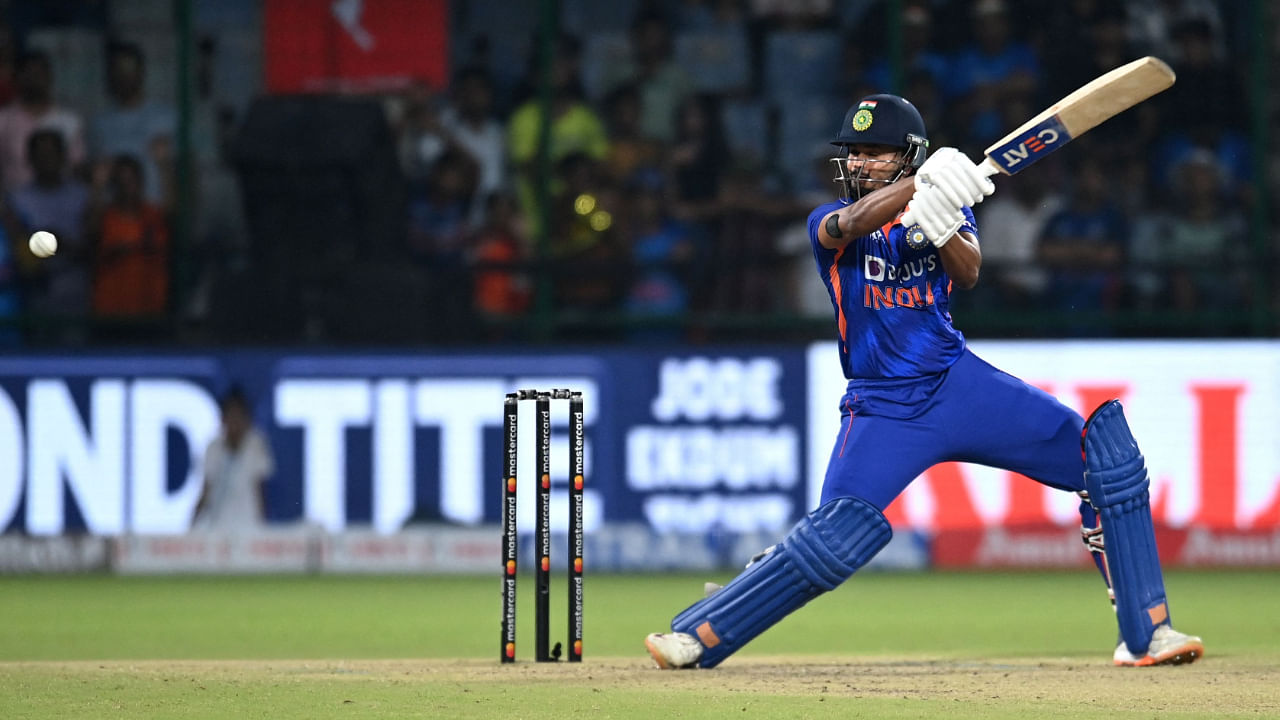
x=821 y=551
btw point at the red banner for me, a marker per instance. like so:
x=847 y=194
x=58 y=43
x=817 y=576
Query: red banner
x=1206 y=416
x=355 y=45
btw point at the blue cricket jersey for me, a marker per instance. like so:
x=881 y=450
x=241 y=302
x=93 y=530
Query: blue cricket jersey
x=891 y=298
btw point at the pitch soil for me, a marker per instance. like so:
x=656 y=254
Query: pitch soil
x=1217 y=685
x=1226 y=686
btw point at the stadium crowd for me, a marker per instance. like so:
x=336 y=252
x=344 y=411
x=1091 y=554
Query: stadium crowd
x=686 y=144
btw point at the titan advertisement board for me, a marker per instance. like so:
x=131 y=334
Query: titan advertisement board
x=679 y=440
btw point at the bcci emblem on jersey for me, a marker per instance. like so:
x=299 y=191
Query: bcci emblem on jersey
x=915 y=237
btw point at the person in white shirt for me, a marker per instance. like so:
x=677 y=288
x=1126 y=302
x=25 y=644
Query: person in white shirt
x=237 y=464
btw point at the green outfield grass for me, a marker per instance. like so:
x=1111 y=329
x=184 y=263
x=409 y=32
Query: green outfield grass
x=883 y=645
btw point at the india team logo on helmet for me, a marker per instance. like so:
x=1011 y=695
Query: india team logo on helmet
x=863 y=118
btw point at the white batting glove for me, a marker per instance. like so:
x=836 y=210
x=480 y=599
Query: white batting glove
x=950 y=170
x=936 y=214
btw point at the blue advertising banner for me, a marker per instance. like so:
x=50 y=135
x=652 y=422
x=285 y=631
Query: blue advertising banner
x=676 y=441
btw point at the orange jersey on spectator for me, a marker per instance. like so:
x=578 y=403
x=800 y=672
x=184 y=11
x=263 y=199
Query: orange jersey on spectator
x=131 y=264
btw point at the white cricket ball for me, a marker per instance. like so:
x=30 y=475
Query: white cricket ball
x=43 y=243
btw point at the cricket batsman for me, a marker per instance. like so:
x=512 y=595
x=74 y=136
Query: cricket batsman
x=917 y=396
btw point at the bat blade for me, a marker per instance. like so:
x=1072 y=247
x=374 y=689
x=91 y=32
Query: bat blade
x=1092 y=104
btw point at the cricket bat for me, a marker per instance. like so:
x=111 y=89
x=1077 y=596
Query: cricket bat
x=1091 y=105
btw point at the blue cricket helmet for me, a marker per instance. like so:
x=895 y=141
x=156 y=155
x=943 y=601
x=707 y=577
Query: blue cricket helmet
x=885 y=119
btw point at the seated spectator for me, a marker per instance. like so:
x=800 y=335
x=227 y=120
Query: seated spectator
x=34 y=109
x=130 y=236
x=422 y=138
x=994 y=70
x=662 y=83
x=662 y=252
x=56 y=287
x=1012 y=222
x=920 y=55
x=1200 y=247
x=630 y=151
x=134 y=125
x=470 y=123
x=697 y=160
x=500 y=292
x=1213 y=88
x=745 y=256
x=440 y=234
x=440 y=210
x=585 y=247
x=575 y=129
x=1083 y=247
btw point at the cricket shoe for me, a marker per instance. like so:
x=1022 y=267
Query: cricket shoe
x=1168 y=647
x=672 y=651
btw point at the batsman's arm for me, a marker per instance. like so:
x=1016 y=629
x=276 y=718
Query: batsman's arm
x=962 y=259
x=842 y=226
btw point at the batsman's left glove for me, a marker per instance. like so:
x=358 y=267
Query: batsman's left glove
x=936 y=214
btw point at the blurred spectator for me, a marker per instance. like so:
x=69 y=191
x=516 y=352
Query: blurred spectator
x=1079 y=41
x=440 y=210
x=1083 y=247
x=745 y=258
x=440 y=233
x=995 y=69
x=56 y=287
x=1208 y=103
x=470 y=123
x=663 y=84
x=585 y=248
x=500 y=292
x=1011 y=223
x=1200 y=248
x=134 y=125
x=1151 y=25
x=630 y=151
x=662 y=251
x=799 y=293
x=575 y=128
x=422 y=137
x=237 y=465
x=131 y=258
x=919 y=55
x=698 y=159
x=34 y=109
x=220 y=233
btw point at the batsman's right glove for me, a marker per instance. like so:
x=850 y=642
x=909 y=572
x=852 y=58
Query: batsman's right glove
x=951 y=171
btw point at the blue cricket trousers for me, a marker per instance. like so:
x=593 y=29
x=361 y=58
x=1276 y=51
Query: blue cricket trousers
x=893 y=430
